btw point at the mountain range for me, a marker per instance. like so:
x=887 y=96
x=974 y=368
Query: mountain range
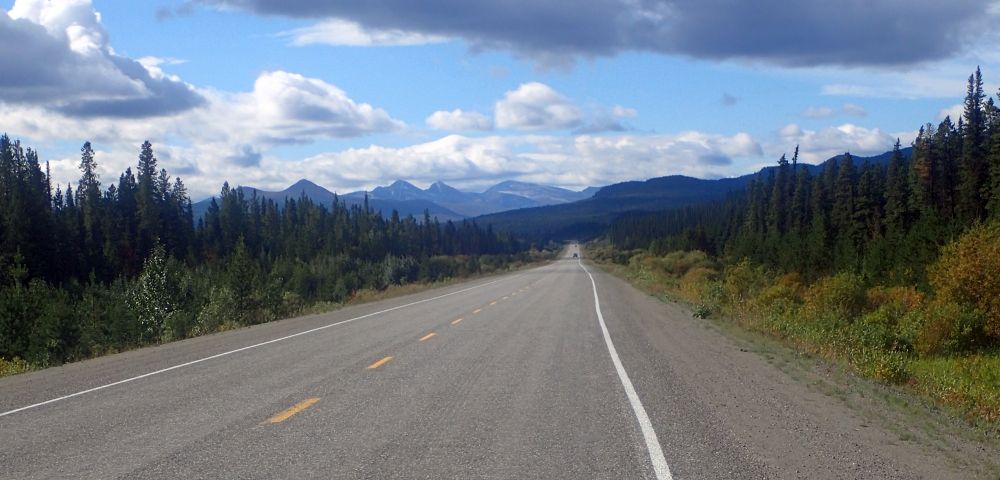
x=503 y=196
x=440 y=199
x=527 y=208
x=590 y=217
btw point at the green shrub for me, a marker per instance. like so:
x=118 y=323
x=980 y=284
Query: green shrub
x=952 y=329
x=15 y=366
x=842 y=294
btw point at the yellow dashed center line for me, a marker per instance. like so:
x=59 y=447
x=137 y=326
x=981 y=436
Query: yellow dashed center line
x=494 y=303
x=379 y=363
x=428 y=336
x=456 y=321
x=504 y=298
x=281 y=417
x=477 y=311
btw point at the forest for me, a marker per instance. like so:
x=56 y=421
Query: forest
x=94 y=270
x=892 y=268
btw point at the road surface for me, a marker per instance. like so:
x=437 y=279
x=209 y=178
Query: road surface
x=517 y=376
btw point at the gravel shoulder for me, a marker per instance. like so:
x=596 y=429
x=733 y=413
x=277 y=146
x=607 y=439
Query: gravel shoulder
x=798 y=416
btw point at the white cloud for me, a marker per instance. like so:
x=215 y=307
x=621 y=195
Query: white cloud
x=228 y=139
x=816 y=146
x=293 y=108
x=955 y=112
x=459 y=121
x=343 y=32
x=61 y=58
x=536 y=106
x=476 y=163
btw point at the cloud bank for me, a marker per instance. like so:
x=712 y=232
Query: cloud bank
x=785 y=32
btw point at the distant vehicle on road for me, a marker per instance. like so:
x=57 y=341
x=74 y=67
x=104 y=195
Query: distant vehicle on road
x=575 y=255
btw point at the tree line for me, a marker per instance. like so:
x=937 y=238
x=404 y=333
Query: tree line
x=89 y=270
x=885 y=222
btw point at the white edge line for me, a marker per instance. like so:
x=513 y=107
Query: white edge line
x=175 y=367
x=660 y=467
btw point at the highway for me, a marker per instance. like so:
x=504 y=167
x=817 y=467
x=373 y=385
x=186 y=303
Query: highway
x=515 y=376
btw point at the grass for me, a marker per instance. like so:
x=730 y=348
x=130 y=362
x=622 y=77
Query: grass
x=939 y=400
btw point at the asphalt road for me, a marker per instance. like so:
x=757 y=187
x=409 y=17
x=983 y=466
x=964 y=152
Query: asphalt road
x=506 y=377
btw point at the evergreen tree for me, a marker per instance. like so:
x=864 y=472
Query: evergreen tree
x=147 y=199
x=974 y=182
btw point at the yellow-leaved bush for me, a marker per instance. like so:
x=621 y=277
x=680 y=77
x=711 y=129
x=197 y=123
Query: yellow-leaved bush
x=968 y=274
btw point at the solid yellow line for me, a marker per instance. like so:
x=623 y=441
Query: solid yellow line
x=379 y=363
x=425 y=338
x=456 y=321
x=281 y=417
x=494 y=303
x=477 y=311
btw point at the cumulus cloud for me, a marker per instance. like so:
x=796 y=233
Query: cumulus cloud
x=573 y=162
x=57 y=54
x=816 y=146
x=827 y=112
x=459 y=121
x=787 y=32
x=228 y=139
x=292 y=107
x=342 y=32
x=536 y=106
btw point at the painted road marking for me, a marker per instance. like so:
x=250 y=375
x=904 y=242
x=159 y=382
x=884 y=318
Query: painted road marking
x=504 y=298
x=477 y=311
x=660 y=466
x=281 y=417
x=494 y=303
x=223 y=354
x=428 y=336
x=456 y=321
x=379 y=363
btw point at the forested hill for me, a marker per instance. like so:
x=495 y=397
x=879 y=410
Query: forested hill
x=93 y=269
x=591 y=217
x=326 y=198
x=885 y=221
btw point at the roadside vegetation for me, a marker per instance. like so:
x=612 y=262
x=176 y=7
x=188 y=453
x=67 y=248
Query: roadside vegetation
x=96 y=271
x=893 y=268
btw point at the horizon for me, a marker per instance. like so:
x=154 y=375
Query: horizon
x=417 y=185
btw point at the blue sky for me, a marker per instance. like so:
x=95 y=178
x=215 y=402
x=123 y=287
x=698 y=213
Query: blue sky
x=262 y=93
